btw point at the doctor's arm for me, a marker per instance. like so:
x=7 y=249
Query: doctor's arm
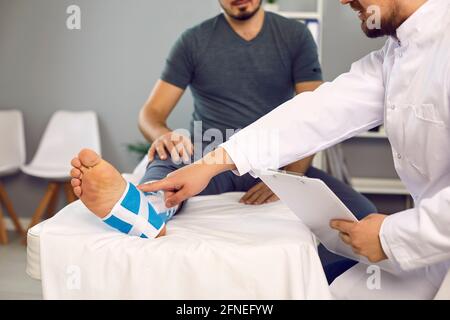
x=261 y=193
x=308 y=123
x=420 y=236
x=411 y=239
x=301 y=166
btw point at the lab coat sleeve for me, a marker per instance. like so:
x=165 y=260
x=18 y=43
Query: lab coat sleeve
x=313 y=121
x=419 y=237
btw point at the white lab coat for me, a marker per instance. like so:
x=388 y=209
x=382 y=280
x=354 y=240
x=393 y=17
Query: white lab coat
x=406 y=86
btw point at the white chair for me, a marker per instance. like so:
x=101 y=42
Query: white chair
x=12 y=157
x=66 y=134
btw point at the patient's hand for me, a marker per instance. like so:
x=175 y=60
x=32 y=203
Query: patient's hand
x=178 y=146
x=259 y=194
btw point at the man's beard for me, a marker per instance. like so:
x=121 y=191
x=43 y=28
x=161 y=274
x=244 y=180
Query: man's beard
x=244 y=15
x=388 y=26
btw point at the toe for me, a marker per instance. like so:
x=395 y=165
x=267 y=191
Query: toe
x=89 y=158
x=75 y=182
x=76 y=163
x=75 y=173
x=77 y=191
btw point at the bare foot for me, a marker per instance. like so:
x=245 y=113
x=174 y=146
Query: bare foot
x=97 y=183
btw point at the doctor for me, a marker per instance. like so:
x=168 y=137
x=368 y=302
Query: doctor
x=406 y=86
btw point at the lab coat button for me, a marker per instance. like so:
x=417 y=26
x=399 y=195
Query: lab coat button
x=393 y=106
x=399 y=156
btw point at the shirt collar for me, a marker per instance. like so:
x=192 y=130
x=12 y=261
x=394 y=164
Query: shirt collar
x=420 y=20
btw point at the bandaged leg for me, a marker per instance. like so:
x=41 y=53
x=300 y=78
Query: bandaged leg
x=135 y=214
x=157 y=200
x=105 y=192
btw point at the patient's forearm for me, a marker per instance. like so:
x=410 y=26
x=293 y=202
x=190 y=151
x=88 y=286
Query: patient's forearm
x=157 y=108
x=300 y=166
x=152 y=126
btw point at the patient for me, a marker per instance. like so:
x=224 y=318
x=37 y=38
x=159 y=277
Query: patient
x=239 y=66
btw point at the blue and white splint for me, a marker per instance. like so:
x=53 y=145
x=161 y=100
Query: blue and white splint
x=139 y=214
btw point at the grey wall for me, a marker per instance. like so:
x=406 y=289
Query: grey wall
x=111 y=64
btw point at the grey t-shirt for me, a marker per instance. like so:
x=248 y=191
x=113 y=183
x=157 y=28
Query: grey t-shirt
x=235 y=82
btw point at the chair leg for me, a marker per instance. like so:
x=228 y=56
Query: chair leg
x=52 y=205
x=70 y=196
x=10 y=210
x=3 y=234
x=37 y=216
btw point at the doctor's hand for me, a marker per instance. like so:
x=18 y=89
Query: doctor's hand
x=259 y=194
x=179 y=147
x=191 y=180
x=181 y=184
x=363 y=236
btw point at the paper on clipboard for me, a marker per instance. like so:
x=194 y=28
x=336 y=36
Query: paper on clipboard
x=315 y=204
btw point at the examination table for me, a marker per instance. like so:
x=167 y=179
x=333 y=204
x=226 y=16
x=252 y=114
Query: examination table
x=215 y=248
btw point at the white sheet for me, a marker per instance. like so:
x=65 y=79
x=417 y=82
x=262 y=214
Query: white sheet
x=33 y=268
x=215 y=248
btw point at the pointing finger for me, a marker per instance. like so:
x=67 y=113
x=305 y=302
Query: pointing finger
x=164 y=184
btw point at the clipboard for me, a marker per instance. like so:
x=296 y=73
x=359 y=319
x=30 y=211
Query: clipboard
x=315 y=205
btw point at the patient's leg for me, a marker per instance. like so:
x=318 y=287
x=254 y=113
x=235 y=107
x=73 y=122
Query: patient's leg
x=100 y=187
